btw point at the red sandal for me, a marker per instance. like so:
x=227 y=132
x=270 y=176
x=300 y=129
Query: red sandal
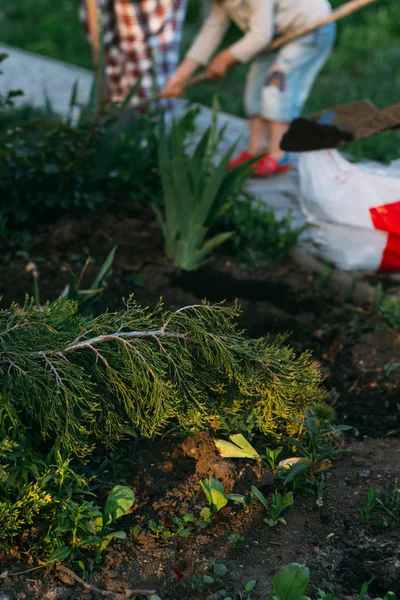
x=242 y=158
x=268 y=165
x=265 y=167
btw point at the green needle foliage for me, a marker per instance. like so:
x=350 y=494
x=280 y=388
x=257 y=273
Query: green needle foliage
x=87 y=382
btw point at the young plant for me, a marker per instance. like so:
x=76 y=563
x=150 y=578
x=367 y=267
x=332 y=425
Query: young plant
x=388 y=507
x=369 y=507
x=261 y=238
x=73 y=292
x=160 y=528
x=290 y=583
x=215 y=494
x=315 y=453
x=196 y=194
x=89 y=527
x=278 y=505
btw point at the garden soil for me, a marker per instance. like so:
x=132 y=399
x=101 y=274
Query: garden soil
x=353 y=354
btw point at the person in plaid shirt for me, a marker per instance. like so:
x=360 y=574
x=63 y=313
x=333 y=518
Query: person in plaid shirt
x=141 y=41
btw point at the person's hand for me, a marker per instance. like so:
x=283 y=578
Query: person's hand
x=220 y=65
x=173 y=89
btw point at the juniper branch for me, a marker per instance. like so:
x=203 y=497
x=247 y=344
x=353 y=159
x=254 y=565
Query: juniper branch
x=85 y=382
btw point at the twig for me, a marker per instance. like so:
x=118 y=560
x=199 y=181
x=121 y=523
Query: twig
x=108 y=594
x=27 y=571
x=109 y=337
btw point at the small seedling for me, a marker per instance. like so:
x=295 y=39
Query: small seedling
x=160 y=528
x=119 y=501
x=215 y=494
x=369 y=507
x=278 y=504
x=315 y=454
x=236 y=539
x=389 y=506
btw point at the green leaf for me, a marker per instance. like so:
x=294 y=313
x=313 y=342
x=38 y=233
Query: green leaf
x=105 y=270
x=219 y=570
x=291 y=581
x=218 y=499
x=119 y=501
x=205 y=513
x=213 y=243
x=250 y=586
x=296 y=470
x=60 y=554
x=206 y=489
x=208 y=579
x=236 y=498
x=90 y=540
x=260 y=497
x=121 y=535
x=237 y=449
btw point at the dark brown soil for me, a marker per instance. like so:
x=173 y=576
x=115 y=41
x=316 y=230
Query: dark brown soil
x=340 y=552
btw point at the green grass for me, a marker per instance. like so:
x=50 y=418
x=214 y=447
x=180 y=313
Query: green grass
x=365 y=63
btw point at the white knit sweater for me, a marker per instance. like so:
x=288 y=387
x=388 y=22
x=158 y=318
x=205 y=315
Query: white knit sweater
x=260 y=20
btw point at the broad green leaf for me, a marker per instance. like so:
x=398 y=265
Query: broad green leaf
x=215 y=484
x=250 y=586
x=219 y=570
x=121 y=535
x=260 y=497
x=295 y=471
x=205 y=513
x=60 y=554
x=240 y=441
x=294 y=460
x=208 y=579
x=119 y=501
x=218 y=499
x=228 y=450
x=291 y=581
x=206 y=489
x=236 y=498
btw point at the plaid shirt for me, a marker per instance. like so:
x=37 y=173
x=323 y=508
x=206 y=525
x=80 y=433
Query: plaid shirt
x=141 y=39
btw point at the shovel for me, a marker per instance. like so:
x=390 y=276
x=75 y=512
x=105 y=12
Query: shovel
x=340 y=125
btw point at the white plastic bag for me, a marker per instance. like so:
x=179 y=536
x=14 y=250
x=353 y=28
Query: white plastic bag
x=353 y=211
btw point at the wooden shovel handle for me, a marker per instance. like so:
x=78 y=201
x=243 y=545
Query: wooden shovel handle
x=94 y=30
x=336 y=15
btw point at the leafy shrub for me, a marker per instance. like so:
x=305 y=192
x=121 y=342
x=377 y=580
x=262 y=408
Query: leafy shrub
x=196 y=194
x=92 y=381
x=261 y=238
x=49 y=166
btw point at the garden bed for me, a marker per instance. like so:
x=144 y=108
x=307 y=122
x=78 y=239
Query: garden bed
x=353 y=355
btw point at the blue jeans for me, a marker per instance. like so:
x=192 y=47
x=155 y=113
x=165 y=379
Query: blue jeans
x=279 y=83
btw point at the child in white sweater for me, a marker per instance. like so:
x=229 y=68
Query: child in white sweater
x=278 y=83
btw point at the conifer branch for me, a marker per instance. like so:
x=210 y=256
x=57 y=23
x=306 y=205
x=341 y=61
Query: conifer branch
x=85 y=382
